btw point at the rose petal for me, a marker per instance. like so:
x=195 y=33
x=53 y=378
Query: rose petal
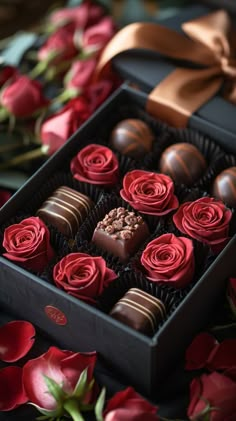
x=199 y=350
x=12 y=393
x=16 y=339
x=224 y=356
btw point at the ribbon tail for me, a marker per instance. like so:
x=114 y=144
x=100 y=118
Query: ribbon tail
x=181 y=93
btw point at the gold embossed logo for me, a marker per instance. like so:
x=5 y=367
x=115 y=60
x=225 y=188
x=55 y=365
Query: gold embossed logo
x=56 y=315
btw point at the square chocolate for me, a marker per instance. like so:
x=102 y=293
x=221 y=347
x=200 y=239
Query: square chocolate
x=65 y=209
x=121 y=233
x=139 y=310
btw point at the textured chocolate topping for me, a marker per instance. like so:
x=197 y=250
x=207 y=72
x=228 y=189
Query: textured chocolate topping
x=66 y=209
x=139 y=310
x=121 y=233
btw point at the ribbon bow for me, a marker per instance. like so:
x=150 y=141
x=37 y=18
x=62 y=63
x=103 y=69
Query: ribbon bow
x=209 y=44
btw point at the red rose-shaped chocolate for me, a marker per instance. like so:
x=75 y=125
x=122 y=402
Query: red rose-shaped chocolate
x=59 y=46
x=206 y=219
x=97 y=36
x=82 y=275
x=149 y=192
x=23 y=97
x=169 y=258
x=214 y=395
x=129 y=405
x=57 y=129
x=96 y=164
x=28 y=244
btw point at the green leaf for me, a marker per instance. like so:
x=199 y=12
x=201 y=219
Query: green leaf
x=54 y=389
x=100 y=405
x=81 y=386
x=48 y=414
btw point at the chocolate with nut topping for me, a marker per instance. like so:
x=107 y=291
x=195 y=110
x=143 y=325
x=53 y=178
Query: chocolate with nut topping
x=121 y=233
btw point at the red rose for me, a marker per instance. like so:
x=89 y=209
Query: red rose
x=231 y=295
x=97 y=36
x=96 y=164
x=57 y=129
x=60 y=43
x=97 y=92
x=206 y=219
x=4 y=196
x=23 y=97
x=199 y=351
x=11 y=388
x=82 y=276
x=214 y=395
x=149 y=192
x=129 y=405
x=80 y=73
x=82 y=16
x=6 y=73
x=65 y=368
x=28 y=244
x=169 y=258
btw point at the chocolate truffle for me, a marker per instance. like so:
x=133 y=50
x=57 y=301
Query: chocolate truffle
x=139 y=310
x=65 y=209
x=224 y=186
x=120 y=233
x=132 y=137
x=183 y=162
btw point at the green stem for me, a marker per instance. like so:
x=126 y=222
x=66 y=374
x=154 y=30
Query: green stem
x=219 y=327
x=71 y=406
x=4 y=114
x=66 y=95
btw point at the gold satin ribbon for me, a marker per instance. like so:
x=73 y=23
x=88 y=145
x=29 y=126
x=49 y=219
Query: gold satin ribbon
x=210 y=43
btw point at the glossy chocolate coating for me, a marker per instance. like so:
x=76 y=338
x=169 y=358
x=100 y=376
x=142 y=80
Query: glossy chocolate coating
x=65 y=209
x=132 y=137
x=183 y=162
x=120 y=233
x=224 y=186
x=139 y=310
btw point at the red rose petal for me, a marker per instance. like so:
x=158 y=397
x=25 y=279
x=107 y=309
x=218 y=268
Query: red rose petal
x=12 y=393
x=224 y=356
x=16 y=339
x=199 y=350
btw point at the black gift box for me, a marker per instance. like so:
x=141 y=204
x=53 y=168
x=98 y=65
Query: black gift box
x=147 y=69
x=141 y=361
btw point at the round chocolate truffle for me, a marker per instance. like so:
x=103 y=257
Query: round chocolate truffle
x=132 y=137
x=183 y=162
x=224 y=186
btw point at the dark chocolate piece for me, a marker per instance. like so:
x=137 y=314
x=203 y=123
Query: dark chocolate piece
x=224 y=186
x=183 y=162
x=139 y=310
x=65 y=209
x=132 y=137
x=121 y=233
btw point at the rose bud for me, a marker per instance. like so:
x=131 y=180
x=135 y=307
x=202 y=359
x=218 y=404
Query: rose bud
x=84 y=15
x=231 y=295
x=6 y=73
x=83 y=276
x=96 y=164
x=169 y=259
x=60 y=372
x=94 y=39
x=129 y=405
x=207 y=220
x=57 y=129
x=23 y=97
x=80 y=73
x=149 y=192
x=59 y=46
x=212 y=397
x=28 y=244
x=11 y=388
